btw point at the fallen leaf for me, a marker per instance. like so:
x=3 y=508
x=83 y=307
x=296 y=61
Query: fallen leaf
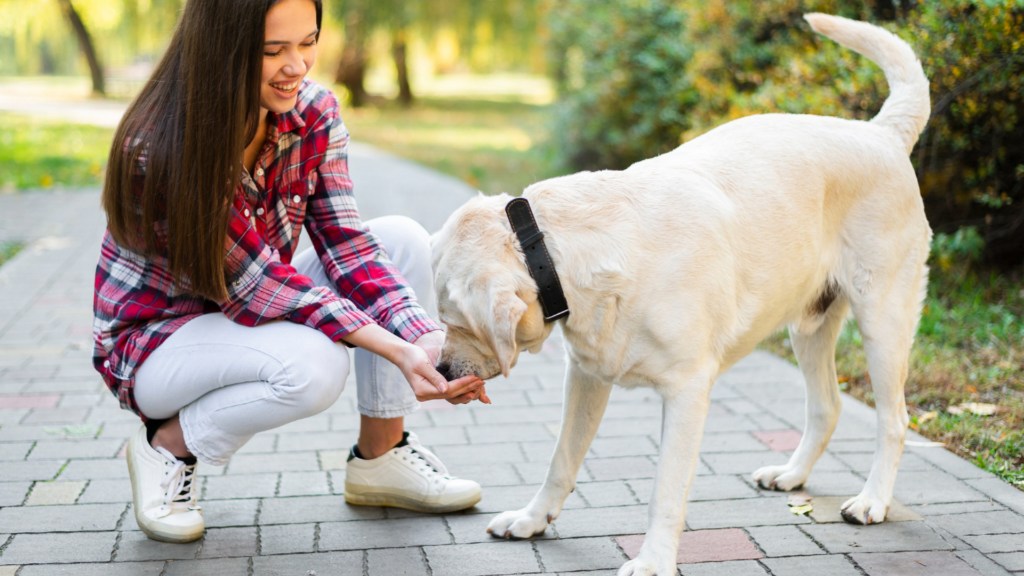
x=803 y=510
x=931 y=415
x=976 y=408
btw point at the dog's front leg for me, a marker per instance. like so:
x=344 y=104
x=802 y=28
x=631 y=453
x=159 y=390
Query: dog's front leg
x=682 y=426
x=584 y=405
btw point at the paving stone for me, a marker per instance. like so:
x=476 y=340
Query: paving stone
x=732 y=568
x=601 y=521
x=217 y=566
x=318 y=440
x=55 y=492
x=456 y=456
x=227 y=542
x=76 y=415
x=1001 y=522
x=134 y=546
x=305 y=509
x=741 y=513
x=933 y=486
x=572 y=554
x=501 y=433
x=91 y=469
x=286 y=538
x=610 y=428
x=239 y=486
x=402 y=532
x=303 y=484
x=13 y=493
x=535 y=472
x=804 y=565
x=778 y=440
x=702 y=546
x=221 y=513
x=397 y=562
x=281 y=462
x=983 y=564
x=784 y=541
x=913 y=564
x=32 y=470
x=827 y=510
x=108 y=490
x=59 y=547
x=75 y=518
x=842 y=483
x=104 y=569
x=996 y=542
x=29 y=401
x=1012 y=561
x=1000 y=491
x=957 y=508
x=886 y=537
x=602 y=494
x=333 y=564
x=14 y=450
x=511 y=557
x=621 y=468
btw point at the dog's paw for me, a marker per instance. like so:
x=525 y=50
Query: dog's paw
x=516 y=524
x=781 y=478
x=643 y=567
x=862 y=509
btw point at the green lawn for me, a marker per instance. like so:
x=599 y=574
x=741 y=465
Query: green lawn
x=37 y=153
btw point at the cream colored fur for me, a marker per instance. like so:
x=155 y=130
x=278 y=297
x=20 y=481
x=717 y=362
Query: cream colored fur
x=678 y=266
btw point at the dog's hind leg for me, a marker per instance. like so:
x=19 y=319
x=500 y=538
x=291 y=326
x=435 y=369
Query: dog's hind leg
x=585 y=401
x=887 y=318
x=684 y=413
x=815 y=350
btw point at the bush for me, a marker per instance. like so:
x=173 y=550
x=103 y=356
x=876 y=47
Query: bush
x=631 y=77
x=621 y=76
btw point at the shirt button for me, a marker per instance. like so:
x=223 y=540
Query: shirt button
x=259 y=171
x=106 y=363
x=296 y=199
x=246 y=212
x=260 y=211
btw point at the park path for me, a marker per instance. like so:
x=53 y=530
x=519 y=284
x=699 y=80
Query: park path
x=277 y=508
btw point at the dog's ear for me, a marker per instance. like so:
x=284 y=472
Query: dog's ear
x=506 y=310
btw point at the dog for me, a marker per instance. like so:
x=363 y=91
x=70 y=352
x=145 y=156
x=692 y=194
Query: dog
x=678 y=266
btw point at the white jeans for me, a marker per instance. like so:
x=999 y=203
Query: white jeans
x=227 y=381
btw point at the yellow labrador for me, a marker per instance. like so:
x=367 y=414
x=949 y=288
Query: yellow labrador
x=676 y=267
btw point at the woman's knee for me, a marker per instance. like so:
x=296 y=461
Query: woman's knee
x=314 y=381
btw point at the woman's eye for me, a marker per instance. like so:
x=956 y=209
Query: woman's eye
x=272 y=53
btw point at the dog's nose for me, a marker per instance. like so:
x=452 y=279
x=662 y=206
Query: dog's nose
x=446 y=370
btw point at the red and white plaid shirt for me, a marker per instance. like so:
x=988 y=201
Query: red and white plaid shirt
x=301 y=179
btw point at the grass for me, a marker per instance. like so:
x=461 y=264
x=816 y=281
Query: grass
x=493 y=139
x=8 y=250
x=37 y=153
x=969 y=348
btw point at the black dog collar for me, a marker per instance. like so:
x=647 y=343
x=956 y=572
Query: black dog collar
x=538 y=261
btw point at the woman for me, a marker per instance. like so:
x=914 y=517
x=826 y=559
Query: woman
x=204 y=323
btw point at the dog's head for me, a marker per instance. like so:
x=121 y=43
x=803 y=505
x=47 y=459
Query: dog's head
x=485 y=295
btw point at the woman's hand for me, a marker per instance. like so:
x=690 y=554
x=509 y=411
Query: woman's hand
x=431 y=343
x=428 y=384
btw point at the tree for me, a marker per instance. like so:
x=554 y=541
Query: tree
x=86 y=46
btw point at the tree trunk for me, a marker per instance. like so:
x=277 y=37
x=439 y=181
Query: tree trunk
x=399 y=50
x=85 y=43
x=351 y=71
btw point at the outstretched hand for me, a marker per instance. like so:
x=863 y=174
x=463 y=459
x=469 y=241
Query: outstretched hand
x=431 y=385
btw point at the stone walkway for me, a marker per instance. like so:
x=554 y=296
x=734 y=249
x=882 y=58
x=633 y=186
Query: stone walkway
x=277 y=508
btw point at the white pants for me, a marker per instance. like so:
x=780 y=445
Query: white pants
x=227 y=381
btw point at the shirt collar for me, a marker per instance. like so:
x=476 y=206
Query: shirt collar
x=291 y=120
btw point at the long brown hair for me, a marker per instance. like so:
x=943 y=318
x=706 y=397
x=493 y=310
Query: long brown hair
x=191 y=123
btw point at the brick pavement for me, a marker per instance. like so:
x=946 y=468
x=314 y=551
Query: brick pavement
x=276 y=508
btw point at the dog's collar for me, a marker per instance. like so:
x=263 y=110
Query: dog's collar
x=538 y=261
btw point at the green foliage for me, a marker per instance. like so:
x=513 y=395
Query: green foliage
x=743 y=57
x=41 y=154
x=8 y=249
x=624 y=96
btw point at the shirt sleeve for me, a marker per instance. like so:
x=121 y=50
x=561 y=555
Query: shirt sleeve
x=352 y=257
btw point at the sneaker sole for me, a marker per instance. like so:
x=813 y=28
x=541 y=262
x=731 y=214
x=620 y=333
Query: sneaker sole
x=390 y=500
x=143 y=522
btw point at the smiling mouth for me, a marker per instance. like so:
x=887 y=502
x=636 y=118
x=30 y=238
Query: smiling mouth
x=285 y=88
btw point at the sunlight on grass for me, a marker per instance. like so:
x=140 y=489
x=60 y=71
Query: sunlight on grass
x=38 y=153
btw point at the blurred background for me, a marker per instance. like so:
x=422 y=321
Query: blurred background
x=502 y=93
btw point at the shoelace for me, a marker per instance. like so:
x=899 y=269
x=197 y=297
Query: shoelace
x=427 y=455
x=178 y=482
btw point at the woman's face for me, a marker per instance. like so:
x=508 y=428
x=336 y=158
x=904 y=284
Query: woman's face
x=289 y=51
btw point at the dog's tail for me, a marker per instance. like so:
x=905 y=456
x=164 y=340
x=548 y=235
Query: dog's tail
x=908 y=106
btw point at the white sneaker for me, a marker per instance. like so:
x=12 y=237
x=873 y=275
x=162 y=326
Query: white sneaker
x=410 y=477
x=163 y=492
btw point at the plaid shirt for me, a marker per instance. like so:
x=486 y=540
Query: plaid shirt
x=301 y=179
